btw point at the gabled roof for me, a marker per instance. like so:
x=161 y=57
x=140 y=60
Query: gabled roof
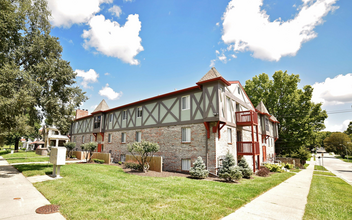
x=273 y=118
x=101 y=107
x=212 y=75
x=261 y=108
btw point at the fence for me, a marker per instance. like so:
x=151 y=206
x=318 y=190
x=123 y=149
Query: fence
x=81 y=155
x=155 y=164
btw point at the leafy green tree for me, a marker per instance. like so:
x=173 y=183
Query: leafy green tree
x=35 y=82
x=70 y=146
x=299 y=117
x=247 y=172
x=143 y=149
x=90 y=148
x=199 y=169
x=338 y=143
x=349 y=129
x=229 y=171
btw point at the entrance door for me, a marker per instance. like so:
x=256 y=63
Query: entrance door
x=264 y=153
x=99 y=147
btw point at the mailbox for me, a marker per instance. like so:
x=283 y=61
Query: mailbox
x=58 y=155
x=57 y=158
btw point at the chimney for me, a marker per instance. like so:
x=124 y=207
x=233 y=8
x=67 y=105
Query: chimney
x=81 y=113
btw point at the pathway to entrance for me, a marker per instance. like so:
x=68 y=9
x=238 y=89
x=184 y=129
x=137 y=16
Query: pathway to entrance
x=285 y=201
x=19 y=198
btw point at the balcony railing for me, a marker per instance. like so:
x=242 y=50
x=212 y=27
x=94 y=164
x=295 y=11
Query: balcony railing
x=248 y=148
x=246 y=118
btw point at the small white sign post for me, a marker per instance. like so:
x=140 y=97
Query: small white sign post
x=57 y=158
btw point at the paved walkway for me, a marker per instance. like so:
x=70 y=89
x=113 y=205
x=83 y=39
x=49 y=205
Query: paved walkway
x=285 y=201
x=338 y=167
x=14 y=185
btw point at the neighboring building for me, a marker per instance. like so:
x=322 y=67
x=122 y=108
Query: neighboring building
x=53 y=137
x=208 y=120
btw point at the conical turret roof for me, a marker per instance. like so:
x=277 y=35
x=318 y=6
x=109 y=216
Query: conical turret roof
x=261 y=107
x=101 y=107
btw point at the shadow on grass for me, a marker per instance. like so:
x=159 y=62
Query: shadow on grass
x=31 y=167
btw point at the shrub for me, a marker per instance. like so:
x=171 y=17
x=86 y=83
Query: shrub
x=274 y=167
x=247 y=172
x=98 y=161
x=90 y=147
x=119 y=162
x=144 y=149
x=229 y=171
x=70 y=146
x=199 y=170
x=73 y=156
x=263 y=171
x=288 y=166
x=133 y=165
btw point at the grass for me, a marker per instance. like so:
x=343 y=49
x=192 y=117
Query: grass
x=92 y=191
x=349 y=158
x=22 y=157
x=35 y=169
x=318 y=167
x=324 y=173
x=329 y=198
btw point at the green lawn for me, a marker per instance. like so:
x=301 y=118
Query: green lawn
x=22 y=157
x=327 y=173
x=349 y=158
x=92 y=191
x=317 y=167
x=329 y=198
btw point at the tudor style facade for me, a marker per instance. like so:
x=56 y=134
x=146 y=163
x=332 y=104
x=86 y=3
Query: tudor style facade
x=208 y=120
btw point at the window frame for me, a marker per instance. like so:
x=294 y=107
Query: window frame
x=124 y=115
x=82 y=139
x=187 y=103
x=138 y=136
x=139 y=112
x=229 y=136
x=97 y=120
x=110 y=118
x=190 y=164
x=187 y=138
x=123 y=137
x=109 y=138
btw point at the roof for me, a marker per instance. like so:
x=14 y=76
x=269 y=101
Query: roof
x=212 y=75
x=38 y=142
x=261 y=107
x=101 y=107
x=273 y=118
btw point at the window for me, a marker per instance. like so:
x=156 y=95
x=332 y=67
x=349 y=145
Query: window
x=109 y=138
x=102 y=147
x=82 y=139
x=91 y=138
x=185 y=164
x=110 y=118
x=239 y=89
x=267 y=124
x=186 y=134
x=76 y=126
x=123 y=157
x=229 y=135
x=124 y=115
x=123 y=137
x=74 y=138
x=138 y=136
x=97 y=122
x=139 y=112
x=185 y=102
x=229 y=103
x=237 y=107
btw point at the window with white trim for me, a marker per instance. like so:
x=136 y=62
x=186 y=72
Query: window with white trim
x=110 y=118
x=91 y=138
x=124 y=115
x=185 y=102
x=186 y=135
x=139 y=112
x=186 y=164
x=109 y=138
x=229 y=135
x=82 y=139
x=138 y=136
x=123 y=137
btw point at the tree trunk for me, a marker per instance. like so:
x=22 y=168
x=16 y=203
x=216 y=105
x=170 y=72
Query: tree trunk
x=16 y=144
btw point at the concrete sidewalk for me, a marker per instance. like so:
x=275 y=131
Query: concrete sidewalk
x=285 y=201
x=14 y=185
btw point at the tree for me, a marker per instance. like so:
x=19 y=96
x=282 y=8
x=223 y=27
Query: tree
x=299 y=117
x=199 y=170
x=35 y=81
x=229 y=171
x=70 y=146
x=247 y=172
x=90 y=148
x=338 y=143
x=144 y=149
x=303 y=154
x=349 y=129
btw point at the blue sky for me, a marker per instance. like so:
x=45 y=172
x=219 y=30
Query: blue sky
x=128 y=50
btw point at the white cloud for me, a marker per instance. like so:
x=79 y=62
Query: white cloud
x=217 y=24
x=88 y=77
x=116 y=10
x=337 y=127
x=113 y=40
x=127 y=0
x=249 y=28
x=109 y=93
x=212 y=63
x=68 y=12
x=222 y=58
x=334 y=91
x=107 y=74
x=233 y=55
